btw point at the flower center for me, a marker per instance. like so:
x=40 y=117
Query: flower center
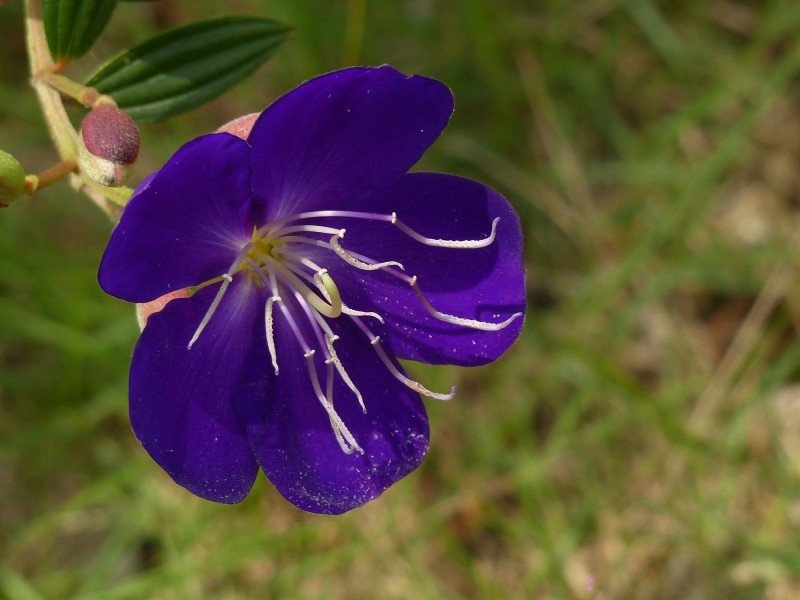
x=277 y=259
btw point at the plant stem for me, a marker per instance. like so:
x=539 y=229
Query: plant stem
x=34 y=183
x=116 y=195
x=85 y=95
x=61 y=130
x=42 y=69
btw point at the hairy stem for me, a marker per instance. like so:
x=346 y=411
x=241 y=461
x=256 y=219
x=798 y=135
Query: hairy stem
x=42 y=68
x=85 y=95
x=33 y=183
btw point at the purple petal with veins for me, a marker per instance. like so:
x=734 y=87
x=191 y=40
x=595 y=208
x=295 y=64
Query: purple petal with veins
x=315 y=261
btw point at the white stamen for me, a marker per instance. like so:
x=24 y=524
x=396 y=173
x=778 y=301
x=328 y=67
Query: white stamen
x=331 y=291
x=298 y=335
x=311 y=317
x=299 y=239
x=211 y=310
x=346 y=309
x=360 y=313
x=276 y=227
x=471 y=323
x=464 y=244
x=410 y=383
x=291 y=263
x=268 y=325
x=227 y=277
x=332 y=310
x=301 y=340
x=414 y=385
x=354 y=262
x=342 y=444
x=301 y=229
x=273 y=282
x=278 y=223
x=339 y=428
x=325 y=327
x=318 y=283
x=276 y=257
x=343 y=374
x=310 y=264
x=329 y=380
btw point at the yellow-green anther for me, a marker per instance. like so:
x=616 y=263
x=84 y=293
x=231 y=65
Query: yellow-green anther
x=333 y=293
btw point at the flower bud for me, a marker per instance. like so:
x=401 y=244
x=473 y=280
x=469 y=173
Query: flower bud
x=109 y=145
x=12 y=179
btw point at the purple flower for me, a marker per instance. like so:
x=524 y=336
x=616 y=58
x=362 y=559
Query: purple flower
x=314 y=262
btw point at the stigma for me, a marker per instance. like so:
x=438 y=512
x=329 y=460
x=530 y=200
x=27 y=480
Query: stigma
x=305 y=297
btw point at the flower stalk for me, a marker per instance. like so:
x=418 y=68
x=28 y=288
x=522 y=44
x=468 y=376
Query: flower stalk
x=33 y=183
x=40 y=61
x=87 y=96
x=48 y=86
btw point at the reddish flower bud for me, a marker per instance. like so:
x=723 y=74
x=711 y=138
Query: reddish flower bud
x=12 y=179
x=109 y=145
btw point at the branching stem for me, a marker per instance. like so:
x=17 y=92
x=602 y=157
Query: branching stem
x=85 y=95
x=34 y=183
x=48 y=86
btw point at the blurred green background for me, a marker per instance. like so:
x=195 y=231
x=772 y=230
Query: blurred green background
x=644 y=432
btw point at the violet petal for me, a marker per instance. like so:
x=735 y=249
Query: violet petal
x=291 y=433
x=486 y=284
x=341 y=134
x=181 y=401
x=183 y=226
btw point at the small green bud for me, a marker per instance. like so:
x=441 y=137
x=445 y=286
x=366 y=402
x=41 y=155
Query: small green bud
x=109 y=145
x=12 y=179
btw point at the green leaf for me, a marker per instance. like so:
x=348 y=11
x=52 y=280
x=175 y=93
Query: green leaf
x=72 y=26
x=183 y=68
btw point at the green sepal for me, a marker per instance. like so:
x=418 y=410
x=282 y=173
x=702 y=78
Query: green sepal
x=12 y=179
x=183 y=68
x=72 y=26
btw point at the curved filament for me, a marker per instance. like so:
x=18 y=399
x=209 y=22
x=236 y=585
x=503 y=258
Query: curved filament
x=354 y=262
x=464 y=244
x=471 y=323
x=410 y=383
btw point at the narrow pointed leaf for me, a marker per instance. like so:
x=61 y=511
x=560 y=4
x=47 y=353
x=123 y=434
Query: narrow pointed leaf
x=186 y=67
x=72 y=26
